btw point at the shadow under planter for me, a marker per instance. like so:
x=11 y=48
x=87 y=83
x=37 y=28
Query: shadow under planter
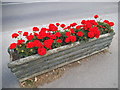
x=34 y=65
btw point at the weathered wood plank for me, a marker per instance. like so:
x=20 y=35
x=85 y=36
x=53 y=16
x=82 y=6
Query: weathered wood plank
x=60 y=65
x=58 y=60
x=40 y=60
x=44 y=60
x=42 y=64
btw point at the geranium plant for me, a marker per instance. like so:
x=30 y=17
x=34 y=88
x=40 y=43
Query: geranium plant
x=56 y=35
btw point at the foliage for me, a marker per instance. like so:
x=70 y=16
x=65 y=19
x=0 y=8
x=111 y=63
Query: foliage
x=56 y=35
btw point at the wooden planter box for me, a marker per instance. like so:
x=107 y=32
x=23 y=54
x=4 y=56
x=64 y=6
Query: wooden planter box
x=34 y=65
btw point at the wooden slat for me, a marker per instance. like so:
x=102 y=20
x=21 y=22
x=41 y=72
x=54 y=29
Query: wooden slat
x=39 y=63
x=58 y=60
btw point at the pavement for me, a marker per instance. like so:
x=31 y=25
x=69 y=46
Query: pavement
x=99 y=72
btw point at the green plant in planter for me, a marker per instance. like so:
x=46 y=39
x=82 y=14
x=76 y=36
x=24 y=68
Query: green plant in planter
x=56 y=35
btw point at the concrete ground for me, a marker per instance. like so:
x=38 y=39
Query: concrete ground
x=98 y=72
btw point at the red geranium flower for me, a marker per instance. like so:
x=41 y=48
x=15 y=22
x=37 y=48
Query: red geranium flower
x=78 y=27
x=93 y=22
x=36 y=34
x=25 y=34
x=80 y=33
x=20 y=42
x=48 y=34
x=30 y=45
x=59 y=41
x=96 y=16
x=88 y=25
x=72 y=30
x=49 y=46
x=42 y=51
x=39 y=36
x=68 y=33
x=38 y=43
x=65 y=28
x=30 y=37
x=93 y=29
x=43 y=29
x=62 y=25
x=73 y=24
x=67 y=40
x=83 y=22
x=72 y=38
x=91 y=34
x=57 y=24
x=97 y=33
x=52 y=27
x=58 y=34
x=19 y=32
x=13 y=45
x=35 y=29
x=111 y=23
x=48 y=43
x=42 y=35
x=68 y=27
x=53 y=36
x=15 y=35
x=106 y=21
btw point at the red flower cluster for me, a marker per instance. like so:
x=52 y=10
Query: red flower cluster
x=96 y=16
x=20 y=42
x=19 y=32
x=94 y=32
x=30 y=37
x=70 y=39
x=35 y=29
x=52 y=27
x=73 y=24
x=15 y=35
x=59 y=41
x=80 y=33
x=25 y=34
x=109 y=23
x=38 y=44
x=62 y=25
x=35 y=43
x=91 y=26
x=30 y=45
x=48 y=43
x=68 y=33
x=13 y=46
x=58 y=34
x=72 y=30
x=79 y=27
x=45 y=38
x=57 y=24
x=87 y=24
x=42 y=51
